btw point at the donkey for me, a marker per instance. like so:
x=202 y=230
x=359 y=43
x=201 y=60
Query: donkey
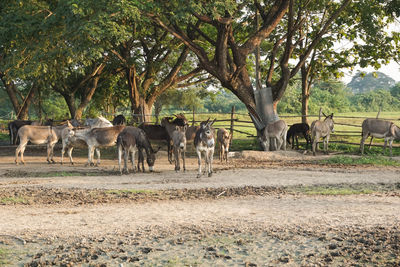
x=274 y=132
x=170 y=125
x=70 y=141
x=39 y=135
x=133 y=139
x=379 y=129
x=158 y=132
x=224 y=139
x=99 y=137
x=179 y=146
x=98 y=122
x=204 y=141
x=321 y=129
x=296 y=130
x=119 y=120
x=14 y=126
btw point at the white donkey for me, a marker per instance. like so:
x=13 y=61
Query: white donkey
x=204 y=142
x=275 y=132
x=379 y=129
x=321 y=129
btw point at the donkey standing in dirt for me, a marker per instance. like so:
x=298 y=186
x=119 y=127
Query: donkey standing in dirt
x=99 y=137
x=296 y=130
x=70 y=140
x=379 y=129
x=321 y=129
x=133 y=139
x=274 y=132
x=179 y=146
x=39 y=135
x=224 y=140
x=204 y=142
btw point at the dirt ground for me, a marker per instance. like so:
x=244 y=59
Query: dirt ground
x=253 y=211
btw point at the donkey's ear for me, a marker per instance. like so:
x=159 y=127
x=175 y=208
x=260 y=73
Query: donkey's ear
x=331 y=115
x=212 y=122
x=324 y=115
x=177 y=127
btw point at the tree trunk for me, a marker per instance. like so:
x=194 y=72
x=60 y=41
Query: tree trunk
x=142 y=112
x=70 y=100
x=10 y=89
x=305 y=92
x=23 y=113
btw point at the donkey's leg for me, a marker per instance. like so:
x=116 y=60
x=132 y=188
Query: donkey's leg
x=17 y=151
x=69 y=152
x=48 y=145
x=199 y=163
x=326 y=144
x=119 y=158
x=176 y=156
x=133 y=153
x=314 y=144
x=390 y=146
x=364 y=136
x=90 y=162
x=20 y=149
x=211 y=157
x=52 y=144
x=183 y=160
x=98 y=155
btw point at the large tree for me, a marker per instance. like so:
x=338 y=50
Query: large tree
x=227 y=26
x=223 y=36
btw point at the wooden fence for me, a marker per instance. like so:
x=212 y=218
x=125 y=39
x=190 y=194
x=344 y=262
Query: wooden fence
x=347 y=128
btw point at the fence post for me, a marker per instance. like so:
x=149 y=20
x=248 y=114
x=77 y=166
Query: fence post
x=193 y=120
x=232 y=121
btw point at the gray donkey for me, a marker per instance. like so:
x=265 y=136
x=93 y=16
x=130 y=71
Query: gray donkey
x=379 y=129
x=179 y=146
x=275 y=132
x=321 y=129
x=204 y=142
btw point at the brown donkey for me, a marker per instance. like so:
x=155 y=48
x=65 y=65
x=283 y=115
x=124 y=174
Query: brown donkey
x=224 y=139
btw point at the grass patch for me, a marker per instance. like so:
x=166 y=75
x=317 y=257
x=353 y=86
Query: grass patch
x=335 y=191
x=3 y=257
x=129 y=191
x=365 y=160
x=345 y=189
x=12 y=200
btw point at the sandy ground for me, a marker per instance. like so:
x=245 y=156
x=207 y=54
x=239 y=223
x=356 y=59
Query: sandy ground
x=269 y=221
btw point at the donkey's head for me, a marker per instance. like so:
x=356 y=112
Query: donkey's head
x=207 y=133
x=329 y=121
x=179 y=137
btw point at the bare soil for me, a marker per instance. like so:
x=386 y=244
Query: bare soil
x=253 y=211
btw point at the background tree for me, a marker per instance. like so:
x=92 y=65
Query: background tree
x=362 y=83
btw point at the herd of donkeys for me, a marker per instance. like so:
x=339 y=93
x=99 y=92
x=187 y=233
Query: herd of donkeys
x=100 y=132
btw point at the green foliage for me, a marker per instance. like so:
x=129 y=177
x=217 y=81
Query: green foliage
x=372 y=101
